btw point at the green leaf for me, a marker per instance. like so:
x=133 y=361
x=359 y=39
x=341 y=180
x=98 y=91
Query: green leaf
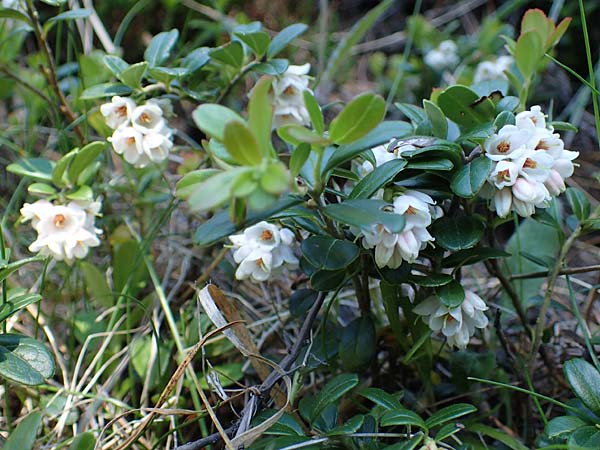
x=449 y=413
x=244 y=185
x=381 y=398
x=364 y=213
x=54 y=2
x=24 y=360
x=133 y=75
x=561 y=427
x=219 y=226
x=36 y=168
x=498 y=435
x=327 y=280
x=464 y=107
x=352 y=425
x=231 y=54
x=260 y=114
x=273 y=67
x=535 y=20
x=579 y=203
x=357 y=344
x=357 y=118
x=439 y=123
x=328 y=253
x=296 y=134
x=332 y=392
x=411 y=444
x=585 y=382
x=212 y=118
x=215 y=191
x=241 y=144
x=469 y=180
x=298 y=158
x=402 y=416
x=285 y=37
x=105 y=90
x=563 y=126
x=67 y=15
x=17 y=301
x=528 y=53
x=9 y=13
x=431 y=280
x=60 y=174
x=431 y=164
x=377 y=179
x=84 y=441
x=457 y=233
x=84 y=157
x=381 y=134
x=115 y=64
x=585 y=438
x=504 y=118
x=96 y=285
x=276 y=178
x=257 y=41
x=451 y=295
x=160 y=47
x=314 y=112
x=41 y=189
x=23 y=437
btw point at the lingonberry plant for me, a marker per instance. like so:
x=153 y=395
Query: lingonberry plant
x=379 y=221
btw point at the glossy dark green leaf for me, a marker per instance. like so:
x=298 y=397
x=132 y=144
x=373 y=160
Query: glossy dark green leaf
x=381 y=398
x=24 y=435
x=431 y=164
x=402 y=416
x=231 y=54
x=10 y=13
x=457 y=233
x=504 y=118
x=328 y=253
x=36 y=168
x=451 y=295
x=364 y=213
x=472 y=256
x=431 y=280
x=84 y=157
x=24 y=360
x=357 y=118
x=469 y=180
x=381 y=134
x=258 y=41
x=439 y=124
x=579 y=203
x=357 y=344
x=105 y=90
x=352 y=425
x=212 y=118
x=41 y=189
x=585 y=382
x=327 y=280
x=563 y=426
x=449 y=413
x=160 y=47
x=133 y=75
x=83 y=441
x=464 y=107
x=301 y=301
x=585 y=438
x=273 y=67
x=563 y=126
x=377 y=179
x=115 y=64
x=284 y=38
x=275 y=178
x=332 y=392
x=15 y=302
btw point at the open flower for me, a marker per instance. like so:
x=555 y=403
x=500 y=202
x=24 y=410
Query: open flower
x=456 y=324
x=287 y=95
x=260 y=249
x=148 y=118
x=391 y=249
x=127 y=141
x=118 y=111
x=64 y=231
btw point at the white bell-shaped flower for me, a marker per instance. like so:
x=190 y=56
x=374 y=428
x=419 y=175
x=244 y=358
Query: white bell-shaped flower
x=148 y=118
x=127 y=141
x=118 y=112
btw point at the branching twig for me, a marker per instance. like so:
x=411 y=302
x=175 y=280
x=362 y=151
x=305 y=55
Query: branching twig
x=257 y=395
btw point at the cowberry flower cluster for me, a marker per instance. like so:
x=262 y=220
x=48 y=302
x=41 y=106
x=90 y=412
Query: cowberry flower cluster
x=530 y=165
x=141 y=133
x=392 y=248
x=493 y=70
x=288 y=96
x=456 y=324
x=445 y=56
x=64 y=231
x=262 y=248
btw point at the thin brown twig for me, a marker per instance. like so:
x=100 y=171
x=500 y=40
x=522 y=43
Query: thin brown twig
x=565 y=271
x=25 y=84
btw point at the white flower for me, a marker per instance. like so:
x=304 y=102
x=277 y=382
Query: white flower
x=442 y=57
x=391 y=249
x=127 y=141
x=383 y=154
x=156 y=146
x=288 y=98
x=64 y=231
x=118 y=111
x=261 y=248
x=148 y=118
x=492 y=70
x=531 y=165
x=456 y=324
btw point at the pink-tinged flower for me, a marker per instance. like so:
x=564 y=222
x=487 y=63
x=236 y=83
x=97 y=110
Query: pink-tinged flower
x=555 y=183
x=530 y=191
x=118 y=111
x=534 y=118
x=502 y=202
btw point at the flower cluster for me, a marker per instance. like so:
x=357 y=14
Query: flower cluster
x=493 y=70
x=530 y=165
x=445 y=56
x=288 y=97
x=64 y=231
x=262 y=248
x=391 y=249
x=383 y=154
x=457 y=324
x=141 y=133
